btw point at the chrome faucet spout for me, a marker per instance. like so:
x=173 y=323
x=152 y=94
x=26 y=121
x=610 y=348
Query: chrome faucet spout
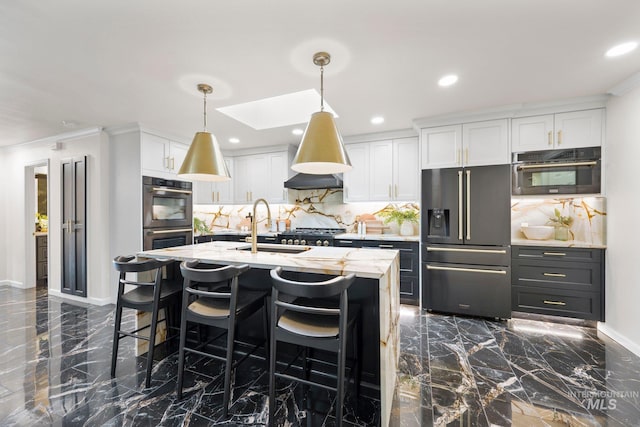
x=254 y=224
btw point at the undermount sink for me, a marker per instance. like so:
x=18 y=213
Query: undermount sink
x=278 y=249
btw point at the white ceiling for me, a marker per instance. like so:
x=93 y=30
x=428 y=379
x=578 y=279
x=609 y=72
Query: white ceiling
x=113 y=62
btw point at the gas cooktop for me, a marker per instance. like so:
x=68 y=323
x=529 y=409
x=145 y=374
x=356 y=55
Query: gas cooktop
x=310 y=236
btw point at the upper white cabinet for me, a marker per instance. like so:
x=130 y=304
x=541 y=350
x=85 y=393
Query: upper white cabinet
x=261 y=176
x=160 y=156
x=562 y=130
x=383 y=171
x=468 y=144
x=206 y=193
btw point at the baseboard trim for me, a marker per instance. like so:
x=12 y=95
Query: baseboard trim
x=88 y=300
x=619 y=338
x=14 y=284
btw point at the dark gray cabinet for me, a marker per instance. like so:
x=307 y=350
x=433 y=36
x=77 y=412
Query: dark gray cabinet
x=74 y=234
x=41 y=260
x=409 y=264
x=566 y=282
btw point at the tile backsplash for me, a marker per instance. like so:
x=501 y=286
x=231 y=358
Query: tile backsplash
x=309 y=208
x=588 y=216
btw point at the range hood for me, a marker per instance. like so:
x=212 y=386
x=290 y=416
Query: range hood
x=305 y=181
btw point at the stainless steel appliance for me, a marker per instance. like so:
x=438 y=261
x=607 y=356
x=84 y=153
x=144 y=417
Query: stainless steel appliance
x=465 y=236
x=566 y=171
x=167 y=213
x=310 y=236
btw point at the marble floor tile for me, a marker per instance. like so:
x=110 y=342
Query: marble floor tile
x=55 y=359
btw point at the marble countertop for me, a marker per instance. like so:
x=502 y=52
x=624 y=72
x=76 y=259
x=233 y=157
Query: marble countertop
x=228 y=232
x=389 y=237
x=322 y=260
x=41 y=233
x=557 y=243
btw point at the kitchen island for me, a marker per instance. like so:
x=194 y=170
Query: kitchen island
x=376 y=289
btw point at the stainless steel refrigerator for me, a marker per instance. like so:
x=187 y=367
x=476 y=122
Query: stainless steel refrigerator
x=466 y=253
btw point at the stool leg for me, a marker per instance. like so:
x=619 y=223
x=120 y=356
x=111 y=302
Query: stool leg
x=358 y=356
x=340 y=385
x=227 y=369
x=272 y=372
x=152 y=344
x=183 y=338
x=116 y=338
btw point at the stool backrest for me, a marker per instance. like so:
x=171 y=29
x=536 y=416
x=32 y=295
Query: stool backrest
x=126 y=264
x=325 y=289
x=195 y=271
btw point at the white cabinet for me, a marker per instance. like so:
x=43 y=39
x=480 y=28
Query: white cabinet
x=383 y=171
x=160 y=156
x=261 y=176
x=468 y=144
x=356 y=181
x=206 y=193
x=562 y=130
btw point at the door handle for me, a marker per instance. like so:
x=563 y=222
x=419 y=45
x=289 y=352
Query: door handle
x=173 y=230
x=554 y=274
x=554 y=253
x=170 y=190
x=477 y=251
x=468 y=204
x=465 y=270
x=459 y=205
x=554 y=302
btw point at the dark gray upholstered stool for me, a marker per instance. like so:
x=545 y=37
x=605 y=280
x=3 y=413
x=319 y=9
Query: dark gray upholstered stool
x=300 y=316
x=146 y=296
x=212 y=296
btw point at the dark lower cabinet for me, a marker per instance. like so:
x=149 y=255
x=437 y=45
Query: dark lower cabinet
x=74 y=231
x=42 y=264
x=566 y=282
x=409 y=264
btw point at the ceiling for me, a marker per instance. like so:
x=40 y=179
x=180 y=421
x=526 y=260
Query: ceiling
x=71 y=64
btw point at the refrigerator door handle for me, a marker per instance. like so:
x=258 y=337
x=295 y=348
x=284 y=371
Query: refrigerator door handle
x=459 y=205
x=466 y=270
x=476 y=251
x=468 y=204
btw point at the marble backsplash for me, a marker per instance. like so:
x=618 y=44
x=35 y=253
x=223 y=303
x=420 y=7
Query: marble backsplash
x=588 y=217
x=309 y=208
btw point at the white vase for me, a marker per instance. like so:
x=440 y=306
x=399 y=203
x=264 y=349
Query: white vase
x=406 y=229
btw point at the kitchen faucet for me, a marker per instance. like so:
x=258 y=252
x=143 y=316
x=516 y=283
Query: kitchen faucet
x=254 y=225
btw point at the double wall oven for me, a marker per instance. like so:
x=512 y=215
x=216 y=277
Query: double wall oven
x=167 y=213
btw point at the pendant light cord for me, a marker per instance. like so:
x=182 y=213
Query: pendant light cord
x=322 y=88
x=205 y=110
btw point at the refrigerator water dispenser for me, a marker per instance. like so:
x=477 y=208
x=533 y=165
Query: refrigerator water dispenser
x=438 y=222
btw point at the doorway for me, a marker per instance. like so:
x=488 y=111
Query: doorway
x=37 y=225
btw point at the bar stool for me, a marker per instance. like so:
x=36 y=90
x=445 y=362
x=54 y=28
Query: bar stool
x=299 y=316
x=146 y=296
x=223 y=304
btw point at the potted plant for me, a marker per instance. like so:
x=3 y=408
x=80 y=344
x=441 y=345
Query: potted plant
x=199 y=226
x=561 y=224
x=404 y=217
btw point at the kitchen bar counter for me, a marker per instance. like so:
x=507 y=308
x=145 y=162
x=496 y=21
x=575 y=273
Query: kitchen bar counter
x=378 y=268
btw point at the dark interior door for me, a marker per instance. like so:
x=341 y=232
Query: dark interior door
x=74 y=237
x=487 y=205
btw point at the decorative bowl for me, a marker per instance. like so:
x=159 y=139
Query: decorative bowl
x=538 y=232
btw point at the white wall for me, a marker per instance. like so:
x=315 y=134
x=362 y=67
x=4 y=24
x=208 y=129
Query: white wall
x=623 y=226
x=95 y=145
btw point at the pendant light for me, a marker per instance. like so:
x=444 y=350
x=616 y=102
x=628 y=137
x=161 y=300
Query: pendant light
x=321 y=150
x=204 y=160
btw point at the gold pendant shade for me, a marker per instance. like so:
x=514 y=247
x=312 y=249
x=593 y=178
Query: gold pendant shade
x=321 y=150
x=204 y=160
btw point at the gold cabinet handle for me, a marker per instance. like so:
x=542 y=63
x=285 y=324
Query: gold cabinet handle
x=166 y=162
x=554 y=274
x=550 y=138
x=173 y=163
x=554 y=302
x=468 y=204
x=458 y=162
x=559 y=137
x=459 y=205
x=390 y=195
x=465 y=270
x=396 y=190
x=466 y=156
x=554 y=253
x=213 y=196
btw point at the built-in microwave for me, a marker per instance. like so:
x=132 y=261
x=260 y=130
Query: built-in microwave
x=550 y=172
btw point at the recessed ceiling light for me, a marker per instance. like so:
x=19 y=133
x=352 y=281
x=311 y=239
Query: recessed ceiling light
x=297 y=131
x=377 y=120
x=621 y=49
x=234 y=140
x=283 y=110
x=448 y=80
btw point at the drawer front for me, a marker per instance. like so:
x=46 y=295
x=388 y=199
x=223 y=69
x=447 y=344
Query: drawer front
x=466 y=254
x=346 y=243
x=467 y=289
x=268 y=239
x=582 y=305
x=558 y=254
x=409 y=289
x=558 y=275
